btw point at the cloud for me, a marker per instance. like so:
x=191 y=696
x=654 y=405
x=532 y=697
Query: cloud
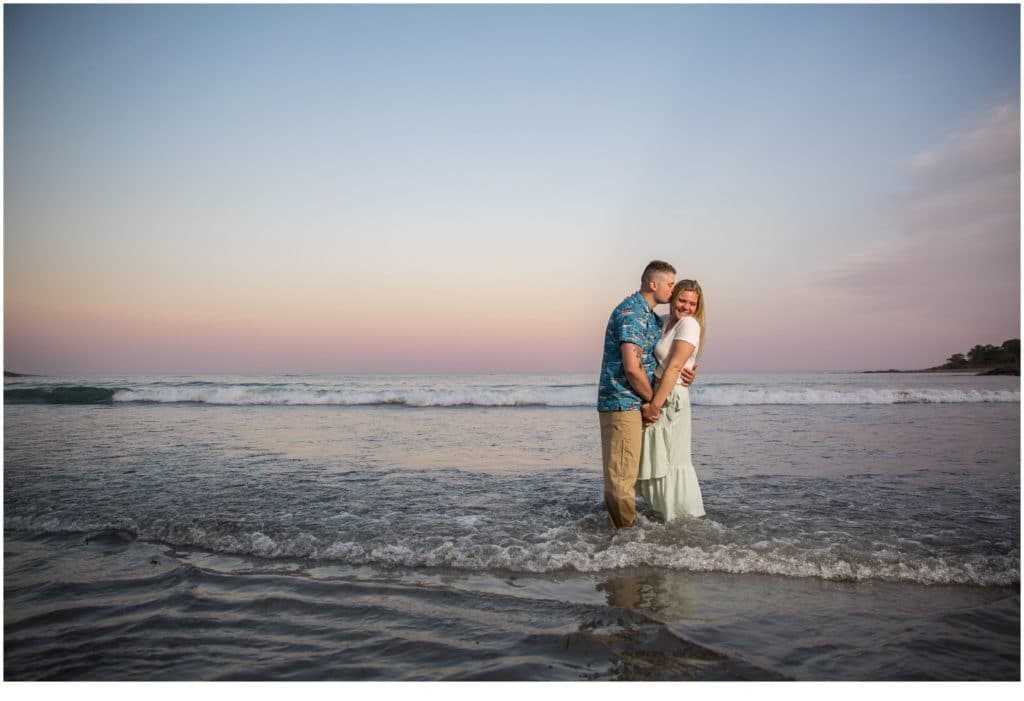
x=956 y=264
x=988 y=149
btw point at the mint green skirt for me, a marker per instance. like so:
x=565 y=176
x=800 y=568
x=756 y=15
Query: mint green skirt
x=667 y=479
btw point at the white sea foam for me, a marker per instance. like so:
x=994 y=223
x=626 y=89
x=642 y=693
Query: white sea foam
x=572 y=551
x=732 y=396
x=468 y=521
x=554 y=556
x=579 y=396
x=240 y=396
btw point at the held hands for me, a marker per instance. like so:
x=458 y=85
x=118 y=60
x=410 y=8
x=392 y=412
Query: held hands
x=649 y=413
x=688 y=375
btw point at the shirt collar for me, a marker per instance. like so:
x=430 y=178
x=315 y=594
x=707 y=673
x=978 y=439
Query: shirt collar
x=642 y=301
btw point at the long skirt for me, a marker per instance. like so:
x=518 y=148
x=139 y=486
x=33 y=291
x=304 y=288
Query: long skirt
x=667 y=479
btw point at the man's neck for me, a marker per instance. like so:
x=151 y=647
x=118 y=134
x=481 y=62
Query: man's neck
x=649 y=296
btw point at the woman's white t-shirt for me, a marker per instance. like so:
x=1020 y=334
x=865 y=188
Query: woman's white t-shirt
x=688 y=329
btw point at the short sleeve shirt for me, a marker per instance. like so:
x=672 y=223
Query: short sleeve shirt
x=688 y=329
x=631 y=322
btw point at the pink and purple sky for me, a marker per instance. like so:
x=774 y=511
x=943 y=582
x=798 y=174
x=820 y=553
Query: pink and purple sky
x=349 y=189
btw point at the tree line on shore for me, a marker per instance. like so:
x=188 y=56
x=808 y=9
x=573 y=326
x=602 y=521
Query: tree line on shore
x=987 y=356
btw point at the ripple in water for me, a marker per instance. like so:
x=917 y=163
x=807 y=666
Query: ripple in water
x=839 y=530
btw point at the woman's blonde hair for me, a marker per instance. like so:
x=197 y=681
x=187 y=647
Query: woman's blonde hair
x=698 y=314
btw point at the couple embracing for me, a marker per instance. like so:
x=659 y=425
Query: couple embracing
x=643 y=398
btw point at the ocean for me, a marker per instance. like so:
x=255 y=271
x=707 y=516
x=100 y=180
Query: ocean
x=859 y=527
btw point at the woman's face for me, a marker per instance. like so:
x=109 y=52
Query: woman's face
x=686 y=303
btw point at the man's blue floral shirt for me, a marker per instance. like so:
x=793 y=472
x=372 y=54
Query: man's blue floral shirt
x=631 y=322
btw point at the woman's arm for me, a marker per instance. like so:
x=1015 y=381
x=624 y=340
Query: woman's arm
x=680 y=353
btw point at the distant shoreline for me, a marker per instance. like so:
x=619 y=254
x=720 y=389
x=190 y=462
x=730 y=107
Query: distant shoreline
x=964 y=371
x=972 y=371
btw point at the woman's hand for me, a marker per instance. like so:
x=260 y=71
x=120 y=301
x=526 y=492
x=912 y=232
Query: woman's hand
x=650 y=413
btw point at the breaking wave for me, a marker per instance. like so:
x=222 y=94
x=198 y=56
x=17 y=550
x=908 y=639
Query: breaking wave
x=712 y=396
x=572 y=547
x=59 y=395
x=514 y=396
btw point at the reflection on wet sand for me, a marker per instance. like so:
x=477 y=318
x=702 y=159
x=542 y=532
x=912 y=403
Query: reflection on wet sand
x=652 y=591
x=844 y=627
x=647 y=647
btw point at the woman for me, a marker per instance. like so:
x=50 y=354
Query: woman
x=667 y=478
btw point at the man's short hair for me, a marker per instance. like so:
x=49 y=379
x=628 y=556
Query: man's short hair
x=655 y=267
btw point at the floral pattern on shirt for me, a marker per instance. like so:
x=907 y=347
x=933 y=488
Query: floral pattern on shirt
x=630 y=322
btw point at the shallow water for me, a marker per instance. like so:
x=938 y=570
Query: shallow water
x=104 y=606
x=842 y=541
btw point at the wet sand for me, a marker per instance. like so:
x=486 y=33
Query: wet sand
x=104 y=606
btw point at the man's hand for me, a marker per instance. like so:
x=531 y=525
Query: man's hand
x=688 y=375
x=649 y=413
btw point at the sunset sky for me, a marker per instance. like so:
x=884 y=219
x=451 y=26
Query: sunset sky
x=348 y=189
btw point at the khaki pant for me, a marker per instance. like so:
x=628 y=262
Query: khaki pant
x=622 y=436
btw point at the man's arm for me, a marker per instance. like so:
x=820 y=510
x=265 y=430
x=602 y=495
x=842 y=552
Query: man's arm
x=688 y=375
x=635 y=373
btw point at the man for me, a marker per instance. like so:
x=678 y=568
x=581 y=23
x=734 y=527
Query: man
x=625 y=388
